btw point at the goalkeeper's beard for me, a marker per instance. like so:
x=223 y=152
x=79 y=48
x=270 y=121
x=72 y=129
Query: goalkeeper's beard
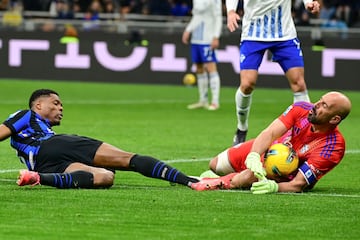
x=312 y=117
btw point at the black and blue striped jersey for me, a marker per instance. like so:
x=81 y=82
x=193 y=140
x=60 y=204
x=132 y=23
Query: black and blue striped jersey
x=29 y=130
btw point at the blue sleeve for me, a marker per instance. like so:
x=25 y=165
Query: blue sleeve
x=18 y=121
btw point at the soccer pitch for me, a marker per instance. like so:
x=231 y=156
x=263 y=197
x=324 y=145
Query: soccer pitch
x=153 y=120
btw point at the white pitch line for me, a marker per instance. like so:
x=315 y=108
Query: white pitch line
x=330 y=195
x=188 y=160
x=351 y=151
x=6 y=180
x=300 y=194
x=184 y=160
x=9 y=170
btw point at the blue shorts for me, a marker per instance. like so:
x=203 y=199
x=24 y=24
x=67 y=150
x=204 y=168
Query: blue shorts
x=287 y=53
x=202 y=53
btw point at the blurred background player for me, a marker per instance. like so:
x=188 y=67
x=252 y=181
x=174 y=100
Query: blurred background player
x=266 y=25
x=312 y=131
x=205 y=29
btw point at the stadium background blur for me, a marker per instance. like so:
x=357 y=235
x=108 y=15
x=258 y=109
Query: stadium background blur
x=331 y=41
x=340 y=11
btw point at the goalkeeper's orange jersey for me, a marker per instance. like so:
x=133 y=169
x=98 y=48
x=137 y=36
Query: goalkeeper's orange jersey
x=318 y=152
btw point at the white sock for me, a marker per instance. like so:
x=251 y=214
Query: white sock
x=301 y=96
x=243 y=104
x=215 y=87
x=203 y=85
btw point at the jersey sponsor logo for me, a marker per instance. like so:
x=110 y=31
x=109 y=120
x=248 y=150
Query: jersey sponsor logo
x=304 y=149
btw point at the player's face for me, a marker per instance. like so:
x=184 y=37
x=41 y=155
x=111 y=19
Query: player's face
x=50 y=108
x=322 y=111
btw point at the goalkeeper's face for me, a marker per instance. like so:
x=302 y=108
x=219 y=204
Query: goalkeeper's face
x=323 y=110
x=320 y=113
x=332 y=108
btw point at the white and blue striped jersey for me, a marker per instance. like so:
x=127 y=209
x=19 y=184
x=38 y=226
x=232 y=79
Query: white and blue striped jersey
x=266 y=20
x=206 y=22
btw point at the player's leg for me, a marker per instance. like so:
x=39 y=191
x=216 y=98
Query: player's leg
x=243 y=100
x=289 y=55
x=236 y=156
x=231 y=159
x=99 y=177
x=231 y=164
x=214 y=80
x=243 y=180
x=64 y=161
x=201 y=77
x=251 y=54
x=220 y=164
x=297 y=83
x=203 y=85
x=108 y=156
x=74 y=177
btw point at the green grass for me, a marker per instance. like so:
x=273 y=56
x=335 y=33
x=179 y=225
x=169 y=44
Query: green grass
x=153 y=120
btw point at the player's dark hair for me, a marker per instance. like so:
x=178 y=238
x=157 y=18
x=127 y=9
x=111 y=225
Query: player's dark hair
x=39 y=93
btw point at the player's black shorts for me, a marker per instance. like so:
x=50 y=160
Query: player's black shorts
x=59 y=151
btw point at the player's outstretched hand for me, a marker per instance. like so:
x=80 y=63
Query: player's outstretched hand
x=254 y=163
x=264 y=186
x=232 y=20
x=313 y=7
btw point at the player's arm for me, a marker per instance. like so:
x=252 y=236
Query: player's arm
x=298 y=184
x=232 y=16
x=194 y=22
x=264 y=140
x=305 y=178
x=5 y=132
x=261 y=143
x=218 y=26
x=185 y=37
x=312 y=6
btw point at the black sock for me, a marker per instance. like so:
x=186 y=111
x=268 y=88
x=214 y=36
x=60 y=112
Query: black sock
x=154 y=168
x=78 y=179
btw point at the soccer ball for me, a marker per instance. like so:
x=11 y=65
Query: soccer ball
x=280 y=160
x=189 y=79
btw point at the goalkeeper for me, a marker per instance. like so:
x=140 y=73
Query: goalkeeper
x=311 y=129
